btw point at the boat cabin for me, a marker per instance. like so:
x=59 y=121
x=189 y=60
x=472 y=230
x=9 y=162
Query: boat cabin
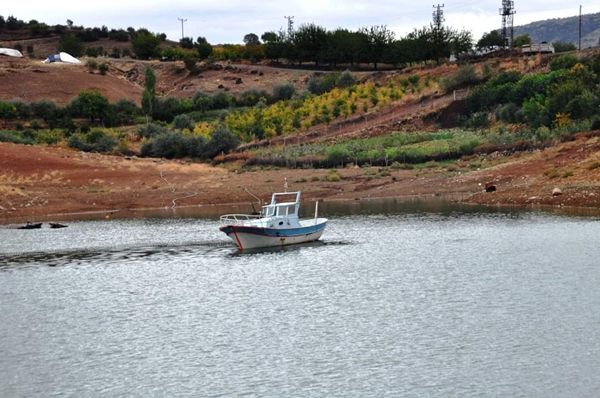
x=284 y=205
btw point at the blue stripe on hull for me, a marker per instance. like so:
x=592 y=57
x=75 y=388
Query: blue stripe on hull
x=273 y=232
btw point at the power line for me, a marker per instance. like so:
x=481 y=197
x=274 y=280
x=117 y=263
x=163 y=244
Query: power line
x=182 y=21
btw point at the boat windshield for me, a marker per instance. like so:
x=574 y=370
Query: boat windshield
x=279 y=210
x=268 y=211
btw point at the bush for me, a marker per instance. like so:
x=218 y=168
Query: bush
x=174 y=145
x=70 y=44
x=509 y=113
x=345 y=80
x=103 y=68
x=46 y=110
x=15 y=137
x=477 y=120
x=183 y=122
x=222 y=140
x=92 y=65
x=202 y=102
x=90 y=104
x=97 y=140
x=252 y=97
x=464 y=76
x=561 y=47
x=337 y=156
x=321 y=84
x=190 y=63
x=535 y=112
x=222 y=100
x=283 y=92
x=7 y=111
x=595 y=124
x=166 y=109
x=145 y=44
x=563 y=62
x=151 y=130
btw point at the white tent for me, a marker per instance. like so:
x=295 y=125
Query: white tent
x=10 y=52
x=62 y=57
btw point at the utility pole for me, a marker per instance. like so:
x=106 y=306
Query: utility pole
x=508 y=11
x=580 y=27
x=438 y=16
x=290 y=28
x=182 y=21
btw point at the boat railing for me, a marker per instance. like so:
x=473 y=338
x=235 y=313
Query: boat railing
x=239 y=219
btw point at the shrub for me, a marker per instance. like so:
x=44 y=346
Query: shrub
x=595 y=124
x=151 y=130
x=166 y=109
x=535 y=112
x=222 y=100
x=48 y=137
x=22 y=108
x=202 y=102
x=337 y=156
x=15 y=137
x=561 y=47
x=346 y=79
x=252 y=97
x=509 y=113
x=174 y=145
x=97 y=140
x=283 y=92
x=333 y=176
x=7 y=111
x=92 y=65
x=477 y=120
x=103 y=68
x=89 y=104
x=566 y=61
x=190 y=63
x=321 y=84
x=222 y=140
x=46 y=110
x=124 y=112
x=70 y=44
x=464 y=76
x=183 y=122
x=145 y=44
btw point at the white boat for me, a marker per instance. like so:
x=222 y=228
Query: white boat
x=277 y=225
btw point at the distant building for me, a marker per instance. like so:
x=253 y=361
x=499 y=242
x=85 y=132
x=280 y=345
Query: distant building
x=542 y=48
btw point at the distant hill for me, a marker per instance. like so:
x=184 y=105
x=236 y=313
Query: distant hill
x=564 y=30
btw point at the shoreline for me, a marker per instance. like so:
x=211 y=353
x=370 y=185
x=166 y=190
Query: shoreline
x=208 y=211
x=40 y=182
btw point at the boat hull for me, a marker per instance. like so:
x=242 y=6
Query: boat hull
x=249 y=237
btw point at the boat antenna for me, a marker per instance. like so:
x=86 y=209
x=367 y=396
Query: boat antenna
x=255 y=197
x=285 y=185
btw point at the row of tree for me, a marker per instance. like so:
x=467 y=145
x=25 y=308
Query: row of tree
x=373 y=45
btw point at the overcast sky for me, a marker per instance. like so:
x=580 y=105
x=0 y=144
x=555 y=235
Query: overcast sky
x=227 y=21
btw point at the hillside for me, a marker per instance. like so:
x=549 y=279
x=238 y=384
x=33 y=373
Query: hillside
x=31 y=80
x=564 y=30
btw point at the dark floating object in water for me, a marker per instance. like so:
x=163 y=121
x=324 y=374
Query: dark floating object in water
x=57 y=225
x=29 y=225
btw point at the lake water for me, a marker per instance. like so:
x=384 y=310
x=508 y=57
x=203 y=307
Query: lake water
x=396 y=300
